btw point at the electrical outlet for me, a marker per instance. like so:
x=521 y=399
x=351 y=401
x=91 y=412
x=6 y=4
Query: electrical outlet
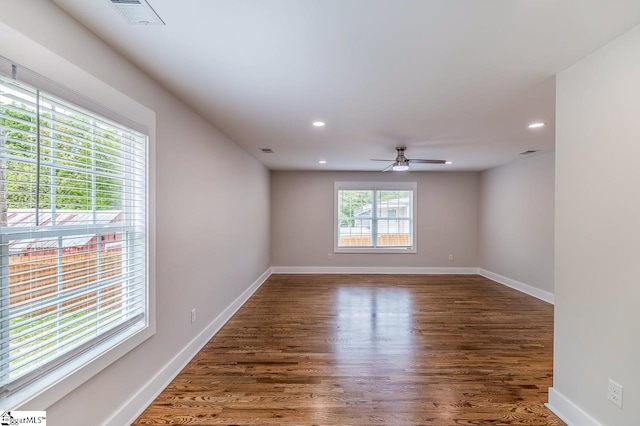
x=330 y=256
x=614 y=393
x=450 y=258
x=193 y=315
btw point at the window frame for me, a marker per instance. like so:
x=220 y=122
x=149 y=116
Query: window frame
x=375 y=186
x=56 y=384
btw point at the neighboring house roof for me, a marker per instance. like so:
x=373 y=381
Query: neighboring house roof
x=386 y=204
x=38 y=244
x=27 y=217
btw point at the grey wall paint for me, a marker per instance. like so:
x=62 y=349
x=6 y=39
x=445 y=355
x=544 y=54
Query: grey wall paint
x=517 y=221
x=302 y=220
x=597 y=320
x=212 y=203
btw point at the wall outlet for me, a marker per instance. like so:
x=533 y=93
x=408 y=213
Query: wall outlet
x=193 y=315
x=330 y=256
x=614 y=393
x=450 y=258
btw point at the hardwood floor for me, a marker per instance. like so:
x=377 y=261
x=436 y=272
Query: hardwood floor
x=368 y=350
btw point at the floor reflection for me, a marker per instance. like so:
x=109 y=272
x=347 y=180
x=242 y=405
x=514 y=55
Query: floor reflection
x=374 y=322
x=373 y=348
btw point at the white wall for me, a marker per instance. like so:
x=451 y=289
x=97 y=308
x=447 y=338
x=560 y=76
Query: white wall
x=517 y=221
x=212 y=219
x=597 y=316
x=302 y=220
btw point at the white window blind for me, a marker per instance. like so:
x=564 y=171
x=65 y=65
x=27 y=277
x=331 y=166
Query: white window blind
x=72 y=232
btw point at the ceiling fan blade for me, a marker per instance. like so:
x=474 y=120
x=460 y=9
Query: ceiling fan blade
x=425 y=161
x=401 y=163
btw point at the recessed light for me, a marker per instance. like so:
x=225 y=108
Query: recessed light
x=536 y=125
x=322 y=161
x=319 y=124
x=448 y=162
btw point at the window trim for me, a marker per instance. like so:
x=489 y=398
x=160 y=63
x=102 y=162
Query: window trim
x=373 y=186
x=69 y=376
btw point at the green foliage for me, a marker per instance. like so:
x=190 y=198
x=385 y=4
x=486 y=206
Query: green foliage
x=70 y=150
x=391 y=195
x=351 y=202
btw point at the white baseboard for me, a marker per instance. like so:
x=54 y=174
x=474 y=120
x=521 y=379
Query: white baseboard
x=130 y=411
x=517 y=285
x=569 y=412
x=370 y=270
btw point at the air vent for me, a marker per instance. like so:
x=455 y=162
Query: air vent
x=137 y=12
x=266 y=150
x=529 y=151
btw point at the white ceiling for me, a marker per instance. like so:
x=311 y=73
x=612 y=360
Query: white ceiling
x=450 y=79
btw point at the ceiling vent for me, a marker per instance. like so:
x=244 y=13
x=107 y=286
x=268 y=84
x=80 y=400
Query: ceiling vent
x=529 y=151
x=137 y=12
x=266 y=150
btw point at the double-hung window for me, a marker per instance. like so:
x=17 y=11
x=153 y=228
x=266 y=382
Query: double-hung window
x=375 y=217
x=73 y=251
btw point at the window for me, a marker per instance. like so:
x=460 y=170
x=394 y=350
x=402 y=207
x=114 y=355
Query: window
x=376 y=217
x=73 y=234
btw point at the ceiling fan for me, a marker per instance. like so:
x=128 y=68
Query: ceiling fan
x=401 y=163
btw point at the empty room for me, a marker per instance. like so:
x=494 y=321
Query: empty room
x=319 y=212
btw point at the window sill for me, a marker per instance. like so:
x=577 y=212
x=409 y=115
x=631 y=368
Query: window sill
x=371 y=250
x=53 y=387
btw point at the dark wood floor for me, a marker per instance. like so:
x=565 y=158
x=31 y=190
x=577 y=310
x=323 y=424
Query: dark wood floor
x=369 y=350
